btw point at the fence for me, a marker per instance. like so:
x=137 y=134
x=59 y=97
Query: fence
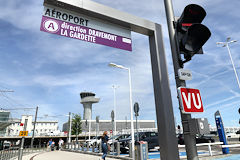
x=13 y=152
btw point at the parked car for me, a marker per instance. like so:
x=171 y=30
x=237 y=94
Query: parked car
x=231 y=135
x=150 y=137
x=95 y=141
x=238 y=132
x=116 y=138
x=199 y=139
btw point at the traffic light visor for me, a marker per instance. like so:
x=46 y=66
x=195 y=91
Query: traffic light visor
x=192 y=14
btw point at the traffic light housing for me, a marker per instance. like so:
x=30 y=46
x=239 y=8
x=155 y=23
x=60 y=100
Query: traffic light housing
x=191 y=34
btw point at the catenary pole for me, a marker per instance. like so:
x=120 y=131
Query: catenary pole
x=34 y=126
x=189 y=138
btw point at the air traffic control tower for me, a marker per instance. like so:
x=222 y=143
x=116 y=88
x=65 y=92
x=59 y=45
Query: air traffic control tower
x=87 y=99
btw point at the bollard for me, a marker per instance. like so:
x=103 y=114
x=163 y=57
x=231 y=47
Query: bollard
x=130 y=149
x=118 y=148
x=100 y=147
x=8 y=154
x=81 y=146
x=71 y=146
x=78 y=146
x=87 y=146
x=93 y=148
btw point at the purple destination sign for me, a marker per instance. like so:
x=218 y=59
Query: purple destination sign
x=83 y=33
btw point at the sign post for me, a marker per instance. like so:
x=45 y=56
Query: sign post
x=162 y=94
x=111 y=131
x=136 y=110
x=23 y=133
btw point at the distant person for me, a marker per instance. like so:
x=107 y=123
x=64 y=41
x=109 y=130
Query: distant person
x=105 y=146
x=60 y=143
x=52 y=146
x=49 y=144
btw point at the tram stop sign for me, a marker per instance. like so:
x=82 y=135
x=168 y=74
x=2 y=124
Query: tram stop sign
x=136 y=109
x=23 y=133
x=190 y=100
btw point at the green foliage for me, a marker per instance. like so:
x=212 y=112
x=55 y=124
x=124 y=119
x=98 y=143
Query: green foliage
x=76 y=124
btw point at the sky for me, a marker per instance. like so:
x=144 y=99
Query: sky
x=50 y=71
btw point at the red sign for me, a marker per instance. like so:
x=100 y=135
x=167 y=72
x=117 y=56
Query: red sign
x=110 y=131
x=190 y=100
x=21 y=124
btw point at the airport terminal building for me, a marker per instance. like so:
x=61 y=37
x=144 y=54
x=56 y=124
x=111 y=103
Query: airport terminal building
x=122 y=126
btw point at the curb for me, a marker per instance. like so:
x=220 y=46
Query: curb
x=97 y=154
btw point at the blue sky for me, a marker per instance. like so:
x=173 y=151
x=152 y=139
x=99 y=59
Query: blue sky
x=50 y=71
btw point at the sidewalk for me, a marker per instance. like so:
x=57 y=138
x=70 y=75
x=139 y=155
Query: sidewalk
x=62 y=155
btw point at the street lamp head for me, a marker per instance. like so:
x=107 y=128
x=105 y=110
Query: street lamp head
x=117 y=66
x=228 y=39
x=112 y=65
x=233 y=41
x=219 y=43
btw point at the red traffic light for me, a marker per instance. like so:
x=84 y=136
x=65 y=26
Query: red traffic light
x=192 y=13
x=21 y=124
x=191 y=34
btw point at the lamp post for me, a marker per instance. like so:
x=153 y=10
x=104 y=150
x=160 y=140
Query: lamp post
x=114 y=103
x=130 y=98
x=226 y=44
x=69 y=127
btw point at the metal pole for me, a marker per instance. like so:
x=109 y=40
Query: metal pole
x=112 y=136
x=35 y=121
x=233 y=64
x=22 y=142
x=70 y=128
x=89 y=133
x=77 y=134
x=137 y=128
x=131 y=112
x=163 y=102
x=114 y=102
x=189 y=138
x=96 y=131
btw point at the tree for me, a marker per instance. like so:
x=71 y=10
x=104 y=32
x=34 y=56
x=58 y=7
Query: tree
x=76 y=124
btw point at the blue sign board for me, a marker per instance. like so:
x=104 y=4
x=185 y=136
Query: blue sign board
x=221 y=133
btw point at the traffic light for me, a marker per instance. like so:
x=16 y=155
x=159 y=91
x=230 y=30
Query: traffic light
x=191 y=34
